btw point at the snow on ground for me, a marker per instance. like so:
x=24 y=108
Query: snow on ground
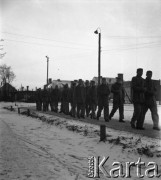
x=55 y=148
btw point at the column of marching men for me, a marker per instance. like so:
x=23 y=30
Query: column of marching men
x=85 y=99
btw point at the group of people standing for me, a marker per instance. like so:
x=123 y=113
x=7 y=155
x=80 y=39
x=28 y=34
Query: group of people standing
x=84 y=98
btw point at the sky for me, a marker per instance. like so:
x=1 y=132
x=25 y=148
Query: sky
x=63 y=30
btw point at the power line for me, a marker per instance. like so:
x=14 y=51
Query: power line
x=138 y=44
x=131 y=48
x=122 y=37
x=133 y=37
x=46 y=39
x=40 y=44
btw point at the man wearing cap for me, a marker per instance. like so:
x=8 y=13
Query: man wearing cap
x=103 y=100
x=118 y=99
x=138 y=89
x=150 y=100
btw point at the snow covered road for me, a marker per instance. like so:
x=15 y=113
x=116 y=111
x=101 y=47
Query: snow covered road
x=34 y=150
x=22 y=156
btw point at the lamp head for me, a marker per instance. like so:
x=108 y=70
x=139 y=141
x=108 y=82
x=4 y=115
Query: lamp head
x=96 y=31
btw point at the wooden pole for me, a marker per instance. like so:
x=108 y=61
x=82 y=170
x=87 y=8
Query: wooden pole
x=28 y=112
x=18 y=110
x=102 y=133
x=159 y=92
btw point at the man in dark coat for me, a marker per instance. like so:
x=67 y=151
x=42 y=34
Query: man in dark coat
x=93 y=99
x=150 y=100
x=138 y=89
x=80 y=99
x=103 y=100
x=118 y=99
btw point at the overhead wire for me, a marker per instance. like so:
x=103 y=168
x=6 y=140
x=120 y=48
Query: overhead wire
x=40 y=44
x=139 y=44
x=133 y=37
x=130 y=48
x=122 y=47
x=136 y=46
x=47 y=39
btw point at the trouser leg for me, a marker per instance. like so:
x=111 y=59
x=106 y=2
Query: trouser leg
x=56 y=106
x=78 y=109
x=47 y=105
x=145 y=109
x=39 y=106
x=136 y=113
x=106 y=110
x=155 y=116
x=114 y=109
x=93 y=108
x=73 y=110
x=140 y=119
x=51 y=105
x=67 y=108
x=82 y=110
x=44 y=108
x=61 y=106
x=99 y=111
x=87 y=109
x=121 y=111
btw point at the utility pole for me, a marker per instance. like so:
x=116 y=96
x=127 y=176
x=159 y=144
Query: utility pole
x=159 y=92
x=99 y=57
x=47 y=69
x=99 y=53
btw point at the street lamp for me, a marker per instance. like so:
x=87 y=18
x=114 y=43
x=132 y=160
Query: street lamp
x=47 y=68
x=98 y=31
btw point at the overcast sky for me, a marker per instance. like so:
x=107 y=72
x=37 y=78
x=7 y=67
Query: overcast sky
x=64 y=31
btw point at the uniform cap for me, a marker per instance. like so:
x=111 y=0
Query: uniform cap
x=148 y=72
x=139 y=69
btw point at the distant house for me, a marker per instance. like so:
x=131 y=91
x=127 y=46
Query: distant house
x=7 y=92
x=59 y=83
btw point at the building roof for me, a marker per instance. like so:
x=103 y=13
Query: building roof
x=7 y=87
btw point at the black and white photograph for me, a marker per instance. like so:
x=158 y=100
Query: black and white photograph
x=80 y=89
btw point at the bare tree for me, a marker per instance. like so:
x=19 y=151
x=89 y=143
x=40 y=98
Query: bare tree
x=6 y=74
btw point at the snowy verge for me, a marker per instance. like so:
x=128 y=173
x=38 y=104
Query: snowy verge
x=139 y=145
